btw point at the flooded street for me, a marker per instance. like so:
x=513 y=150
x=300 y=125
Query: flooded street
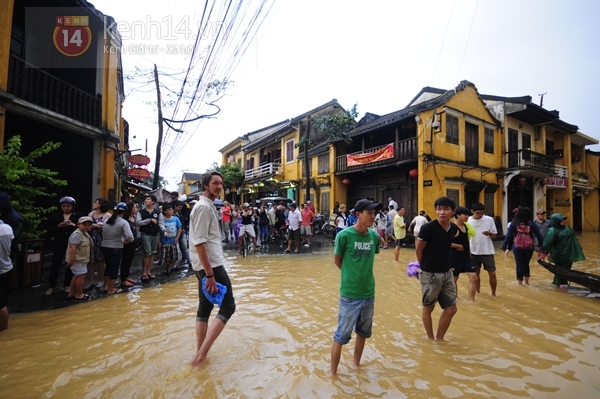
x=531 y=341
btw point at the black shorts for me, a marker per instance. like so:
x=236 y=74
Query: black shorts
x=294 y=235
x=205 y=307
x=4 y=288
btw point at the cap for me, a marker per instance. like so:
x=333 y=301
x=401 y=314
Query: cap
x=84 y=219
x=120 y=206
x=365 y=204
x=540 y=212
x=246 y=205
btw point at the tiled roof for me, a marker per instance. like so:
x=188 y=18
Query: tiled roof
x=261 y=136
x=411 y=111
x=187 y=176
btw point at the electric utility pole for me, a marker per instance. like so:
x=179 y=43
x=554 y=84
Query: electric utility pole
x=306 y=159
x=160 y=132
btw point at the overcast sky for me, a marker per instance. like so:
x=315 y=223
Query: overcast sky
x=379 y=54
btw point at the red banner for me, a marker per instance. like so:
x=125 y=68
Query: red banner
x=139 y=173
x=139 y=159
x=386 y=152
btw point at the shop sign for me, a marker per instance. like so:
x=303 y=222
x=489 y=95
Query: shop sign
x=139 y=173
x=562 y=202
x=427 y=183
x=556 y=181
x=139 y=159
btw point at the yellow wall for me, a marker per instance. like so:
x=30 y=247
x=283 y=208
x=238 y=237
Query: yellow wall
x=445 y=175
x=592 y=201
x=6 y=12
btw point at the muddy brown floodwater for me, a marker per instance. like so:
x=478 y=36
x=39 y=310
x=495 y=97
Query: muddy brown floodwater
x=528 y=342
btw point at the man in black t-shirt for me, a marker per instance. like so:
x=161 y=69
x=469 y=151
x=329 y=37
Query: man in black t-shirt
x=437 y=281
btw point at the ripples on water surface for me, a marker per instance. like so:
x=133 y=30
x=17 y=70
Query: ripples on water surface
x=531 y=341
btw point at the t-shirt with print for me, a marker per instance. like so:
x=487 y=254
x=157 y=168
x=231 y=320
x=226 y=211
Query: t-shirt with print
x=358 y=254
x=171 y=226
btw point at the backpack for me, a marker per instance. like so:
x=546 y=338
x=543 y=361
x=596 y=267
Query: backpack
x=523 y=239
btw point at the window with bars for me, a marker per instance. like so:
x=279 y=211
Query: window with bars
x=489 y=204
x=289 y=151
x=451 y=129
x=323 y=162
x=488 y=141
x=454 y=194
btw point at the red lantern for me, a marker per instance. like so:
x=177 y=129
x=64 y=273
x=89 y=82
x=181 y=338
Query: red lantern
x=346 y=181
x=522 y=181
x=413 y=172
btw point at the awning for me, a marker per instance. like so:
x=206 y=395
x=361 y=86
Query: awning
x=137 y=185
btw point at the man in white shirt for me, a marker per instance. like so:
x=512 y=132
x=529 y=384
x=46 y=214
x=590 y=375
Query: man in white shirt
x=482 y=247
x=393 y=203
x=208 y=262
x=294 y=219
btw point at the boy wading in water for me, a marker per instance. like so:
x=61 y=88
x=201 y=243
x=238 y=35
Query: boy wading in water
x=437 y=281
x=355 y=249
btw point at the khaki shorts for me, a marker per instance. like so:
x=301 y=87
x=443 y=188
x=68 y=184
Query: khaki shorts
x=438 y=287
x=306 y=230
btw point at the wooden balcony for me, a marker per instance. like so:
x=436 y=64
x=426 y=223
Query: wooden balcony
x=41 y=88
x=527 y=159
x=404 y=150
x=265 y=170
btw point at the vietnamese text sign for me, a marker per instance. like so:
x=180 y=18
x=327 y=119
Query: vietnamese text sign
x=386 y=152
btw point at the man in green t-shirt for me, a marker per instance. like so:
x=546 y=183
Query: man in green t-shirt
x=355 y=249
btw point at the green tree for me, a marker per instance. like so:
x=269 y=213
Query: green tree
x=162 y=182
x=232 y=174
x=337 y=124
x=25 y=182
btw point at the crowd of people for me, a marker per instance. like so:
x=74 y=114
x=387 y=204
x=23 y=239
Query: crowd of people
x=458 y=241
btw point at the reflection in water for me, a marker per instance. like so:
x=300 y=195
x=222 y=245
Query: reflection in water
x=534 y=341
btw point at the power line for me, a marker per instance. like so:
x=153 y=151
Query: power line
x=443 y=41
x=467 y=43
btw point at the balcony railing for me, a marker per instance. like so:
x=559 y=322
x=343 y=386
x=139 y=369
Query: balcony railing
x=403 y=150
x=561 y=171
x=268 y=169
x=41 y=88
x=530 y=159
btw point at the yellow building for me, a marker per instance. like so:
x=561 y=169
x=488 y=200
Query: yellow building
x=545 y=163
x=190 y=183
x=273 y=161
x=75 y=100
x=444 y=143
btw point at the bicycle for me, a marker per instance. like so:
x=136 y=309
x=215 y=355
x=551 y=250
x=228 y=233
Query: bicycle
x=280 y=236
x=247 y=245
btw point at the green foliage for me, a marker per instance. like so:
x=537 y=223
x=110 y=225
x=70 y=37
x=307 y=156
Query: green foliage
x=162 y=182
x=337 y=124
x=24 y=182
x=232 y=174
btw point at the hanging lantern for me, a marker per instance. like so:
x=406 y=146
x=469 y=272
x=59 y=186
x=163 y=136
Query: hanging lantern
x=346 y=181
x=522 y=181
x=413 y=172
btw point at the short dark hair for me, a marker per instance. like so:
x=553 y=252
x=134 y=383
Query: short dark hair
x=152 y=197
x=462 y=210
x=174 y=193
x=445 y=201
x=478 y=206
x=207 y=177
x=104 y=204
x=166 y=207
